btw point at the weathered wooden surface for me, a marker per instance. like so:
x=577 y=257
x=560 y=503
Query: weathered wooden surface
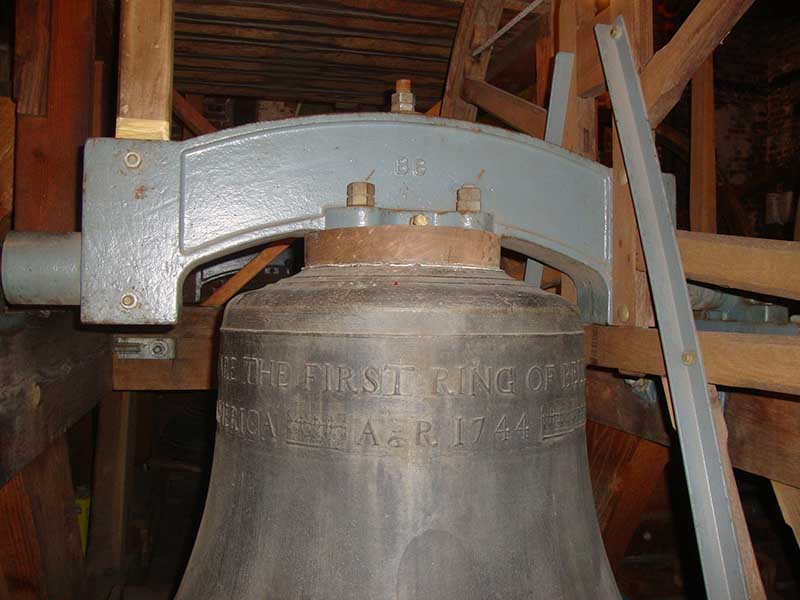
x=144 y=110
x=192 y=118
x=48 y=178
x=32 y=56
x=40 y=551
x=751 y=264
x=765 y=362
x=762 y=428
x=50 y=376
x=479 y=20
x=513 y=110
x=348 y=51
x=195 y=365
x=703 y=157
x=671 y=68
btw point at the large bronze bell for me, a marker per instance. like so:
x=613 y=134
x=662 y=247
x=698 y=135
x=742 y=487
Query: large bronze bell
x=400 y=421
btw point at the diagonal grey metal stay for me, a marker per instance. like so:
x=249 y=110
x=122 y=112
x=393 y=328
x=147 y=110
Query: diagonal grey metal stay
x=708 y=490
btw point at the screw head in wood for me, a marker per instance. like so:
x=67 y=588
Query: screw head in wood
x=689 y=358
x=421 y=220
x=615 y=32
x=624 y=313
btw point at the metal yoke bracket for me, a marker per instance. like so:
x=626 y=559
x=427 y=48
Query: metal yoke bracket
x=154 y=210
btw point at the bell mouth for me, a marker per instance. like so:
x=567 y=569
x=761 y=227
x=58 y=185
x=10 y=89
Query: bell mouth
x=403 y=245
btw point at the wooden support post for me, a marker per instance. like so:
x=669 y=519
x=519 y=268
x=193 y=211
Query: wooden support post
x=703 y=157
x=40 y=551
x=232 y=287
x=479 y=19
x=625 y=469
x=53 y=73
x=145 y=70
x=755 y=588
x=144 y=112
x=113 y=477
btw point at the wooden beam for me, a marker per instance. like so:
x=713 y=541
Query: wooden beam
x=513 y=110
x=789 y=501
x=703 y=156
x=479 y=19
x=671 y=68
x=762 y=431
x=50 y=376
x=48 y=179
x=756 y=265
x=8 y=125
x=232 y=287
x=145 y=70
x=113 y=477
x=195 y=365
x=762 y=428
x=763 y=362
x=190 y=116
x=752 y=577
x=32 y=56
x=40 y=552
x=625 y=469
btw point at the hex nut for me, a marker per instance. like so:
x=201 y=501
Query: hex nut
x=468 y=198
x=403 y=100
x=360 y=193
x=132 y=160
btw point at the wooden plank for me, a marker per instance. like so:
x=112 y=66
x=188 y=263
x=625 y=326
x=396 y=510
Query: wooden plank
x=7 y=126
x=756 y=265
x=763 y=435
x=625 y=469
x=520 y=114
x=50 y=376
x=753 y=583
x=479 y=20
x=703 y=156
x=144 y=110
x=762 y=427
x=671 y=68
x=48 y=177
x=195 y=365
x=789 y=501
x=32 y=56
x=232 y=287
x=37 y=515
x=190 y=116
x=765 y=362
x=112 y=483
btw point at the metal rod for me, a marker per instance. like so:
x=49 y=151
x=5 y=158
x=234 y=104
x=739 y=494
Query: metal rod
x=699 y=441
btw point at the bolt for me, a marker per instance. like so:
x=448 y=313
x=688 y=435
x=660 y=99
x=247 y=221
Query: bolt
x=159 y=348
x=133 y=160
x=403 y=99
x=624 y=313
x=419 y=220
x=360 y=193
x=468 y=198
x=615 y=32
x=688 y=358
x=129 y=300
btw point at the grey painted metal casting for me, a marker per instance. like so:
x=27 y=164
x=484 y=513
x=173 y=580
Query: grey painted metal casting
x=154 y=210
